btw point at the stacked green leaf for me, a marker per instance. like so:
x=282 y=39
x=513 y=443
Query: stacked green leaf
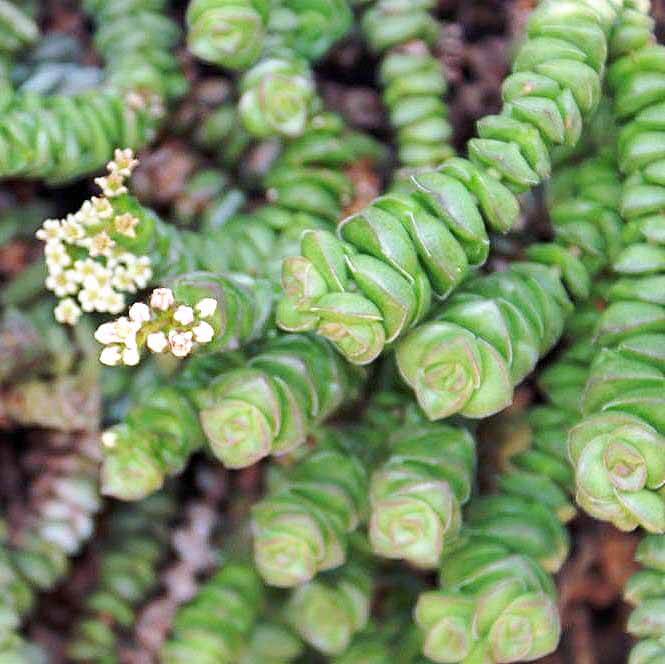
x=328 y=611
x=235 y=33
x=307 y=188
x=618 y=449
x=369 y=285
x=214 y=627
x=271 y=643
x=62 y=137
x=496 y=601
x=278 y=95
x=417 y=492
x=269 y=406
x=134 y=546
x=404 y=33
x=279 y=41
x=391 y=635
x=18 y=29
x=227 y=32
x=494 y=605
x=491 y=333
x=302 y=526
x=646 y=592
x=541 y=471
x=159 y=433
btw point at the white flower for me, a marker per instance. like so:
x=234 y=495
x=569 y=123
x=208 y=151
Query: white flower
x=106 y=334
x=117 y=256
x=162 y=298
x=87 y=215
x=139 y=312
x=101 y=244
x=56 y=256
x=62 y=283
x=103 y=207
x=206 y=307
x=67 y=312
x=126 y=330
x=123 y=162
x=140 y=271
x=122 y=280
x=115 y=302
x=126 y=224
x=85 y=268
x=112 y=185
x=127 y=257
x=54 y=248
x=184 y=315
x=157 y=342
x=111 y=356
x=109 y=438
x=72 y=231
x=131 y=357
x=203 y=332
x=180 y=342
x=91 y=298
x=103 y=277
x=51 y=230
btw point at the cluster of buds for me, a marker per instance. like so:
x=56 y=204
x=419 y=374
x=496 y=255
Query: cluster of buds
x=87 y=269
x=162 y=326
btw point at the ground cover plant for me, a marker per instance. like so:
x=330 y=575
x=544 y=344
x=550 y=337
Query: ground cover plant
x=332 y=331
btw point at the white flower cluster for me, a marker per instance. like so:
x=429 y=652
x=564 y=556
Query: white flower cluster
x=163 y=325
x=86 y=269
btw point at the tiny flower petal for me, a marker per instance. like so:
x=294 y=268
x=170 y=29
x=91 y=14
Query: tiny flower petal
x=111 y=356
x=101 y=244
x=203 y=332
x=87 y=215
x=103 y=207
x=139 y=312
x=140 y=271
x=51 y=230
x=112 y=185
x=184 y=315
x=72 y=230
x=106 y=334
x=122 y=280
x=88 y=298
x=131 y=357
x=126 y=329
x=206 y=307
x=157 y=342
x=126 y=224
x=181 y=343
x=123 y=162
x=162 y=298
x=67 y=312
x=115 y=302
